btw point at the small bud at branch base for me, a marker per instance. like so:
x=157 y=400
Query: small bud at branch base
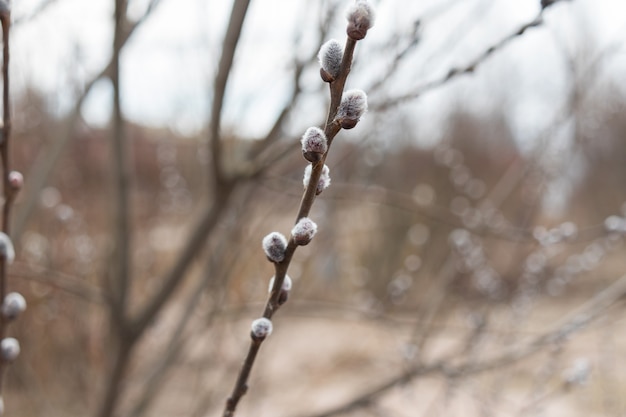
x=261 y=328
x=322 y=184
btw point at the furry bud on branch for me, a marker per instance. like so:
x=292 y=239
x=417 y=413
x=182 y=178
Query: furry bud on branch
x=16 y=180
x=287 y=284
x=284 y=289
x=9 y=349
x=13 y=305
x=261 y=328
x=303 y=232
x=330 y=56
x=314 y=144
x=361 y=16
x=353 y=106
x=322 y=184
x=6 y=248
x=274 y=246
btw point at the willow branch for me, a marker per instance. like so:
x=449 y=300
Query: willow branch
x=331 y=129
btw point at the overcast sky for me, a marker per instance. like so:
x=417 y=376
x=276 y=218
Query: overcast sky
x=169 y=64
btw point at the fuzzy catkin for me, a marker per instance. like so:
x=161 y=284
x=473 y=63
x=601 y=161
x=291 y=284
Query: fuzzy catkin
x=274 y=246
x=330 y=56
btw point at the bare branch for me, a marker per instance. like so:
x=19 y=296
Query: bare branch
x=48 y=157
x=229 y=46
x=456 y=72
x=273 y=303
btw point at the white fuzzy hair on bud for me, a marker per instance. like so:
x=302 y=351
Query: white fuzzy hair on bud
x=324 y=181
x=361 y=16
x=6 y=248
x=287 y=284
x=314 y=144
x=274 y=246
x=13 y=305
x=353 y=106
x=9 y=349
x=304 y=231
x=330 y=57
x=261 y=328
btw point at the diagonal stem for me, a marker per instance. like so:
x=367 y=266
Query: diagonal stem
x=308 y=198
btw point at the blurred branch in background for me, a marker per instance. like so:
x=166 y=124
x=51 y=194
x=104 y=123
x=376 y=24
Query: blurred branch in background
x=48 y=157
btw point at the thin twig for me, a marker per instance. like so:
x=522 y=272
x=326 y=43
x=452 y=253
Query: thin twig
x=458 y=71
x=48 y=157
x=229 y=46
x=224 y=184
x=120 y=280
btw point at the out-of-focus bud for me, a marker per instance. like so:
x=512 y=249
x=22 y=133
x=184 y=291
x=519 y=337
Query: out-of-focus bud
x=13 y=305
x=303 y=232
x=287 y=284
x=9 y=349
x=353 y=106
x=16 y=180
x=284 y=289
x=6 y=248
x=261 y=328
x=324 y=181
x=330 y=56
x=361 y=16
x=314 y=144
x=579 y=373
x=274 y=246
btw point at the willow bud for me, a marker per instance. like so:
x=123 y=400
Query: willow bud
x=361 y=16
x=330 y=56
x=303 y=232
x=324 y=181
x=284 y=289
x=353 y=106
x=274 y=246
x=9 y=349
x=13 y=305
x=314 y=144
x=16 y=180
x=260 y=329
x=6 y=248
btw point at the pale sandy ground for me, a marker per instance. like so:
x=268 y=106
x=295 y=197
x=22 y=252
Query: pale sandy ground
x=313 y=364
x=320 y=358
